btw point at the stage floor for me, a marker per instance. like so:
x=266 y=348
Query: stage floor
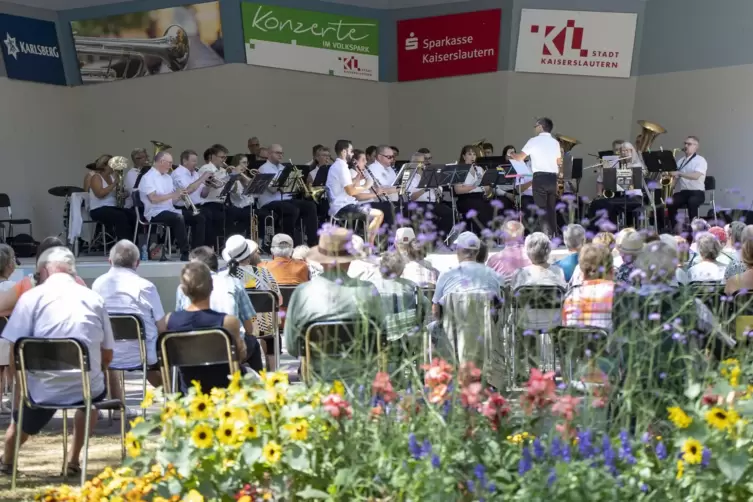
x=166 y=275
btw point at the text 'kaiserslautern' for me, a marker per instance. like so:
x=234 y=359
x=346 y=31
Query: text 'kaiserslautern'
x=411 y=43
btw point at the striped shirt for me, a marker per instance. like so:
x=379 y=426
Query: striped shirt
x=589 y=304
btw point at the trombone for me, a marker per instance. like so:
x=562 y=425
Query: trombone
x=302 y=185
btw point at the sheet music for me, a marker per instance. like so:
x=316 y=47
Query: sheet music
x=612 y=160
x=520 y=167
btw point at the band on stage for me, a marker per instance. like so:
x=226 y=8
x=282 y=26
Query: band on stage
x=261 y=193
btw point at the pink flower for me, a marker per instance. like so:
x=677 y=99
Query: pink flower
x=336 y=406
x=539 y=391
x=438 y=394
x=469 y=373
x=495 y=408
x=383 y=387
x=470 y=396
x=438 y=373
x=566 y=407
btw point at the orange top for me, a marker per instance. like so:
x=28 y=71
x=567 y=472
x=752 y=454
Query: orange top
x=287 y=271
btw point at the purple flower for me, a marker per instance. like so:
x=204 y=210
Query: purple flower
x=552 y=477
x=644 y=487
x=471 y=485
x=525 y=463
x=609 y=455
x=538 y=449
x=414 y=447
x=480 y=472
x=471 y=214
x=435 y=462
x=584 y=444
x=626 y=452
x=705 y=457
x=661 y=451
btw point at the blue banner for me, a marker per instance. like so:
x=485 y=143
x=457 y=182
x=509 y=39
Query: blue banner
x=30 y=50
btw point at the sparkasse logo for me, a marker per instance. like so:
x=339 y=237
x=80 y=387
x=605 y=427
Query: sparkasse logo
x=555 y=42
x=411 y=43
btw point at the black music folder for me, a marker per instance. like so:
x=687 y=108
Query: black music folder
x=497 y=177
x=259 y=184
x=622 y=179
x=321 y=176
x=442 y=175
x=229 y=184
x=606 y=153
x=661 y=161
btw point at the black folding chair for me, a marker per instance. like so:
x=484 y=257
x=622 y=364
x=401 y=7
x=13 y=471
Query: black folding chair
x=577 y=347
x=202 y=347
x=5 y=204
x=534 y=298
x=267 y=302
x=286 y=292
x=345 y=340
x=127 y=328
x=711 y=293
x=59 y=354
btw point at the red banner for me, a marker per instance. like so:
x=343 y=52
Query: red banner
x=447 y=46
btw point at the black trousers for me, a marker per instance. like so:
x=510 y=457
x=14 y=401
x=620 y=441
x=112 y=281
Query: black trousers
x=430 y=217
x=545 y=197
x=290 y=212
x=121 y=219
x=214 y=216
x=238 y=220
x=198 y=224
x=613 y=208
x=475 y=202
x=691 y=199
x=177 y=228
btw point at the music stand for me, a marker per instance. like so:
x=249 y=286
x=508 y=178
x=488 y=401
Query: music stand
x=231 y=179
x=321 y=177
x=605 y=153
x=493 y=161
x=661 y=161
x=497 y=177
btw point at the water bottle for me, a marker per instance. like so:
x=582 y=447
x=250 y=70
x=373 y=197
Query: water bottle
x=144 y=253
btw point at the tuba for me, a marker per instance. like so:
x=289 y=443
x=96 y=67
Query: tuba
x=478 y=147
x=649 y=132
x=567 y=143
x=119 y=166
x=108 y=59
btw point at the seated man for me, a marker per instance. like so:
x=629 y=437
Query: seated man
x=125 y=292
x=283 y=267
x=590 y=304
x=331 y=296
x=228 y=297
x=59 y=308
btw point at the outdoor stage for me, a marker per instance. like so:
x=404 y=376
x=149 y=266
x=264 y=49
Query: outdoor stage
x=166 y=275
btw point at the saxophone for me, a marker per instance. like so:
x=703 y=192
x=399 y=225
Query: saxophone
x=119 y=166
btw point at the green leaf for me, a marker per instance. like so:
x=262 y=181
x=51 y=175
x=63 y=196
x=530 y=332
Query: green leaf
x=251 y=453
x=744 y=408
x=693 y=391
x=311 y=493
x=733 y=465
x=296 y=458
x=143 y=429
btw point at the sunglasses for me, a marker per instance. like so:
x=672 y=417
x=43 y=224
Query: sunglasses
x=687 y=143
x=388 y=156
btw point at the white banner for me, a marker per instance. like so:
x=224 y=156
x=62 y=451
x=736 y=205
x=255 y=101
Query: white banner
x=568 y=42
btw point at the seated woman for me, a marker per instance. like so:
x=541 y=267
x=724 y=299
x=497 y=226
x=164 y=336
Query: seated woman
x=590 y=304
x=300 y=253
x=744 y=279
x=707 y=268
x=94 y=168
x=540 y=272
x=103 y=205
x=417 y=268
x=196 y=284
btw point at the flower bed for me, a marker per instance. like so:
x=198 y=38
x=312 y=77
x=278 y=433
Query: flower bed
x=448 y=440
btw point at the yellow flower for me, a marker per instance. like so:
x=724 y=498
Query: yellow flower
x=722 y=419
x=680 y=469
x=170 y=410
x=235 y=383
x=272 y=452
x=132 y=445
x=218 y=394
x=273 y=379
x=226 y=412
x=734 y=376
x=298 y=430
x=252 y=431
x=338 y=388
x=692 y=451
x=260 y=410
x=148 y=399
x=226 y=433
x=193 y=496
x=136 y=421
x=201 y=407
x=679 y=418
x=202 y=436
x=274 y=396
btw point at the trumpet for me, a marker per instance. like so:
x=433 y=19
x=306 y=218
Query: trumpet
x=185 y=197
x=172 y=50
x=213 y=181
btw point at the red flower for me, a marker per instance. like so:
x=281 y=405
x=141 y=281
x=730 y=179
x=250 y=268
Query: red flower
x=710 y=399
x=469 y=373
x=470 y=396
x=566 y=407
x=539 y=391
x=383 y=387
x=336 y=406
x=439 y=372
x=438 y=394
x=495 y=408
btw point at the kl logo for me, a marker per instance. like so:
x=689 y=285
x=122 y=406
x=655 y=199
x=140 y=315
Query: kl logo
x=350 y=63
x=411 y=43
x=556 y=42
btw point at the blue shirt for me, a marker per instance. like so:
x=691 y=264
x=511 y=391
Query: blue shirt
x=467 y=277
x=568 y=264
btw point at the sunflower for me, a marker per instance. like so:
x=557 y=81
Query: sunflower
x=148 y=399
x=722 y=419
x=227 y=434
x=272 y=452
x=235 y=383
x=218 y=394
x=338 y=388
x=132 y=445
x=260 y=410
x=225 y=413
x=273 y=379
x=193 y=496
x=298 y=430
x=680 y=469
x=201 y=407
x=252 y=431
x=679 y=417
x=202 y=436
x=692 y=451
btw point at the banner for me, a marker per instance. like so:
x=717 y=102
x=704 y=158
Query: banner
x=315 y=42
x=30 y=50
x=567 y=42
x=447 y=46
x=146 y=43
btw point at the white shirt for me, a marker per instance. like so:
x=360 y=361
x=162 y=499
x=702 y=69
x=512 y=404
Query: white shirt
x=696 y=164
x=429 y=195
x=238 y=199
x=214 y=193
x=707 y=271
x=544 y=151
x=269 y=195
x=60 y=308
x=337 y=179
x=385 y=177
x=365 y=270
x=158 y=184
x=125 y=292
x=129 y=182
x=474 y=178
x=5 y=344
x=107 y=201
x=186 y=178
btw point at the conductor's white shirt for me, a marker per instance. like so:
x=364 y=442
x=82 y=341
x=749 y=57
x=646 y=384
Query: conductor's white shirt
x=544 y=151
x=695 y=164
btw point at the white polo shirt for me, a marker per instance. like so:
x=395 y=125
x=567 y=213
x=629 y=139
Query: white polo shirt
x=186 y=178
x=214 y=193
x=695 y=164
x=337 y=179
x=428 y=196
x=544 y=151
x=385 y=176
x=268 y=195
x=159 y=184
x=129 y=182
x=61 y=308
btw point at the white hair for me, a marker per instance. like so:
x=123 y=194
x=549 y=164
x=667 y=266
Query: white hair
x=124 y=254
x=285 y=251
x=574 y=236
x=699 y=225
x=709 y=246
x=658 y=262
x=59 y=259
x=635 y=159
x=300 y=252
x=512 y=230
x=538 y=248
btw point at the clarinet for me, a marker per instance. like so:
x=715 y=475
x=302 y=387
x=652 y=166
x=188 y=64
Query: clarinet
x=376 y=186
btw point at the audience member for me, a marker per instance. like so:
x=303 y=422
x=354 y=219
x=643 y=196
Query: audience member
x=125 y=292
x=697 y=226
x=734 y=244
x=574 y=237
x=284 y=268
x=196 y=283
x=590 y=304
x=616 y=256
x=512 y=257
x=300 y=253
x=7 y=267
x=708 y=268
x=483 y=253
x=604 y=239
x=364 y=266
x=680 y=246
x=228 y=297
x=59 y=308
x=540 y=272
x=743 y=280
x=629 y=249
x=417 y=268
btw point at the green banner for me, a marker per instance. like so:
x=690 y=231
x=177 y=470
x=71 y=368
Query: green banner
x=310 y=29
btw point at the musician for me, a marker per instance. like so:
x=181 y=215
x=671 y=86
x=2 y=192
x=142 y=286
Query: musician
x=141 y=166
x=263 y=154
x=103 y=206
x=254 y=145
x=187 y=177
x=384 y=178
x=239 y=210
x=323 y=159
x=470 y=193
x=158 y=192
x=506 y=197
x=342 y=190
x=488 y=149
x=314 y=151
x=92 y=169
x=427 y=155
x=289 y=210
x=428 y=200
x=212 y=206
x=689 y=181
x=546 y=165
x=629 y=199
x=371 y=154
x=395 y=154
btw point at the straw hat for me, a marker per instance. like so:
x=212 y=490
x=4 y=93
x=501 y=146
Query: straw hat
x=335 y=246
